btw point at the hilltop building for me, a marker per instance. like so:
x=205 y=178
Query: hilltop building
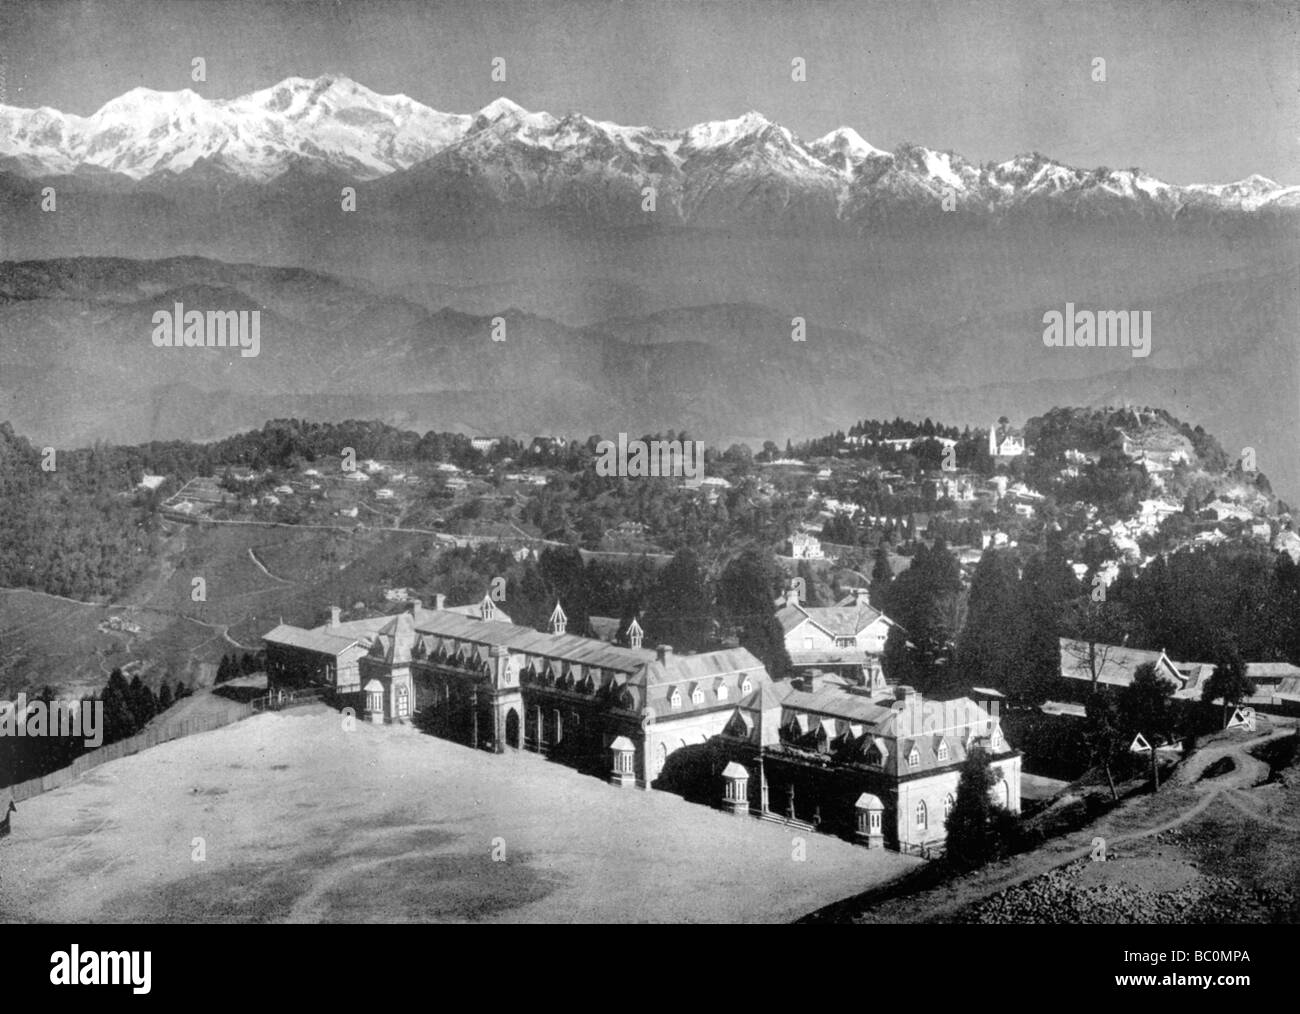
x=841 y=753
x=804 y=546
x=1005 y=443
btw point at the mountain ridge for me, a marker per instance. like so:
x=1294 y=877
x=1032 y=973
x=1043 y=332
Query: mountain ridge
x=707 y=172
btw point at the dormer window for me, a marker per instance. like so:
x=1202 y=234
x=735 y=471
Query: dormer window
x=997 y=739
x=722 y=691
x=746 y=686
x=697 y=696
x=914 y=758
x=943 y=750
x=844 y=642
x=873 y=756
x=675 y=699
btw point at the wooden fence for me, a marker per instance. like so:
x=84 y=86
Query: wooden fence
x=928 y=850
x=282 y=699
x=124 y=748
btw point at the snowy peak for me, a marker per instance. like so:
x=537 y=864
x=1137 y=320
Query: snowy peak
x=719 y=133
x=146 y=102
x=329 y=123
x=498 y=108
x=747 y=165
x=844 y=149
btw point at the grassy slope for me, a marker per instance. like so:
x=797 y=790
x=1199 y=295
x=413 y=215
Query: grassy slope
x=46 y=640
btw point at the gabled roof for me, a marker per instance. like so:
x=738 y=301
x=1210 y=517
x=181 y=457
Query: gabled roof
x=311 y=640
x=832 y=700
x=566 y=647
x=836 y=621
x=695 y=668
x=1116 y=663
x=396 y=638
x=1271 y=672
x=767 y=698
x=475 y=609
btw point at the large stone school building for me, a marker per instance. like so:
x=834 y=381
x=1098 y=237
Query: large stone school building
x=870 y=762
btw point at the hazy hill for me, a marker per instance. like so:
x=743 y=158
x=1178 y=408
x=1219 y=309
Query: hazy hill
x=905 y=338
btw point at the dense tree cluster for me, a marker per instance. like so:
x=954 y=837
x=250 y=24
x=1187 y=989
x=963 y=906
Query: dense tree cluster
x=237 y=665
x=926 y=604
x=128 y=706
x=68 y=530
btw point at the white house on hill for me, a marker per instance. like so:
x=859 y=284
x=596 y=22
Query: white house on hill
x=805 y=547
x=852 y=625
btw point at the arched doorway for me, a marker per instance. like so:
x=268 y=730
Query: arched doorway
x=512 y=728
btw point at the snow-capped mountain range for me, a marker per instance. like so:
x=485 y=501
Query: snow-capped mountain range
x=335 y=127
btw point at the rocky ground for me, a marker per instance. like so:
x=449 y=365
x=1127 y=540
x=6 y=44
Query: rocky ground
x=1237 y=861
x=1219 y=843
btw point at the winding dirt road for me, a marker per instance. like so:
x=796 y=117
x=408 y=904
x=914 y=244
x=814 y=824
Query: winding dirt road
x=1139 y=817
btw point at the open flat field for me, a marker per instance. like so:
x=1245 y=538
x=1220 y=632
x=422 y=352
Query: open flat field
x=305 y=822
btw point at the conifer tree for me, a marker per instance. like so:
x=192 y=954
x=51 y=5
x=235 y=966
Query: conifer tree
x=1144 y=705
x=1229 y=682
x=119 y=722
x=881 y=577
x=971 y=825
x=142 y=703
x=678 y=611
x=989 y=646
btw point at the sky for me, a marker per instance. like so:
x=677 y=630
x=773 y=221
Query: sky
x=1193 y=91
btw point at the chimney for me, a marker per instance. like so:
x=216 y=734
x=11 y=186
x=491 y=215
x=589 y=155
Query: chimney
x=811 y=681
x=860 y=596
x=334 y=616
x=873 y=678
x=792 y=596
x=664 y=652
x=440 y=601
x=908 y=702
x=413 y=606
